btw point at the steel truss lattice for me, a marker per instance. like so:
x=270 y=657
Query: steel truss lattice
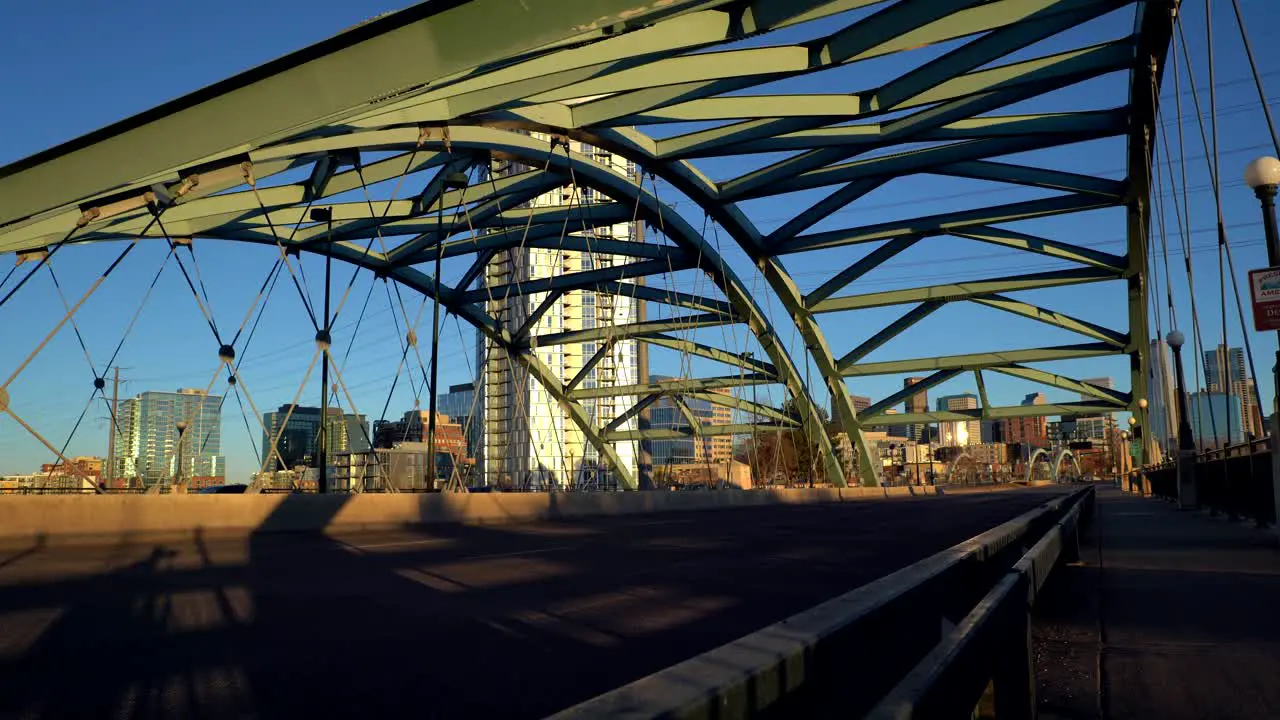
x=443 y=91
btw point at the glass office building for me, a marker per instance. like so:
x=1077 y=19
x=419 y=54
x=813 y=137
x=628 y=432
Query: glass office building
x=300 y=436
x=1215 y=418
x=146 y=448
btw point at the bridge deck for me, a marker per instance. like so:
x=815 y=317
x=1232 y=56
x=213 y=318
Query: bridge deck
x=502 y=621
x=1180 y=611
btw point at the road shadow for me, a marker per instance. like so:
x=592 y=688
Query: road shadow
x=502 y=620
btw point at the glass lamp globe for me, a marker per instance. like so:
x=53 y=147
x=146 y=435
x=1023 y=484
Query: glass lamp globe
x=1263 y=172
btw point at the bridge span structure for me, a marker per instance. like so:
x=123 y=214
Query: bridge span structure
x=411 y=147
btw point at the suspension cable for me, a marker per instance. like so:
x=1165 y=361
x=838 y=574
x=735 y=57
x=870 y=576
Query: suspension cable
x=1257 y=77
x=1224 y=245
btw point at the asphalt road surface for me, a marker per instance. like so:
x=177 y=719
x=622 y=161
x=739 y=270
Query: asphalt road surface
x=450 y=621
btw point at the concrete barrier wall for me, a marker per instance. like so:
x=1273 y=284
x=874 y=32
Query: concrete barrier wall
x=107 y=517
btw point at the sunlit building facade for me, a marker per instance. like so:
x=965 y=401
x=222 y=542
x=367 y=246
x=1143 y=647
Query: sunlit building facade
x=528 y=439
x=146 y=437
x=299 y=439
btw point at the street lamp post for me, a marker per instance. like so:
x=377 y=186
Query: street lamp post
x=177 y=470
x=1186 y=462
x=1263 y=175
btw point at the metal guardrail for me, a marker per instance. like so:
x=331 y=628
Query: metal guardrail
x=1235 y=480
x=923 y=641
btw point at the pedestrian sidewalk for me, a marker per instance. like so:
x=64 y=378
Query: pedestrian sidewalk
x=1168 y=615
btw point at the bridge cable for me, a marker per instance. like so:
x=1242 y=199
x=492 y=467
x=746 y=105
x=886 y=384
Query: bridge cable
x=68 y=316
x=268 y=285
x=75 y=327
x=8 y=275
x=610 y=338
x=223 y=361
x=729 y=331
x=48 y=256
x=1223 y=242
x=1197 y=346
x=520 y=381
x=399 y=296
x=1224 y=366
x=81 y=340
x=1257 y=77
x=284 y=254
x=516 y=390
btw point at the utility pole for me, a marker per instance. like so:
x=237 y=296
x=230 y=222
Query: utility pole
x=111 y=432
x=323 y=341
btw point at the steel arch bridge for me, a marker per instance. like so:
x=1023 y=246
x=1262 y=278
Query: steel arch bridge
x=497 y=94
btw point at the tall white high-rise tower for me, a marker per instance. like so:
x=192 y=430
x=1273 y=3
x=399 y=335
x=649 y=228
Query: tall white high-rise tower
x=527 y=439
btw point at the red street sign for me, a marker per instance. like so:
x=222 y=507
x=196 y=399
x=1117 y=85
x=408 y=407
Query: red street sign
x=1264 y=288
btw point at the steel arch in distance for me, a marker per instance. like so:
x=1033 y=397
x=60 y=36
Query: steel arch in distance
x=455 y=80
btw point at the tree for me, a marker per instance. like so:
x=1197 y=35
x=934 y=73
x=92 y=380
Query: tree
x=784 y=455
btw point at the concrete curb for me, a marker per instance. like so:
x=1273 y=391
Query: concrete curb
x=112 y=518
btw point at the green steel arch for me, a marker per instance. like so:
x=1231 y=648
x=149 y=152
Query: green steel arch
x=451 y=85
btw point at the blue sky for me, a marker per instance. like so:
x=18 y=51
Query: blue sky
x=71 y=67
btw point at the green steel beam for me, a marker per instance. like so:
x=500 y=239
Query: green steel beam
x=422 y=44
x=532 y=321
x=408 y=218
x=1101 y=123
x=945 y=222
x=1014 y=25
x=936 y=159
x=964 y=290
x=1060 y=69
x=466 y=220
x=321 y=173
x=552 y=238
x=584 y=280
x=201 y=210
x=673 y=386
x=890 y=331
x=824 y=208
x=1037 y=177
x=635 y=410
x=565 y=67
x=1043 y=246
x=1055 y=318
x=982 y=393
x=982 y=360
x=737 y=403
x=706 y=431
x=695 y=425
x=774 y=179
x=995 y=413
x=630 y=330
x=600 y=354
x=743 y=360
x=877 y=409
x=1154 y=27
x=1119 y=399
x=477 y=266
x=666 y=297
x=870 y=262
x=431 y=193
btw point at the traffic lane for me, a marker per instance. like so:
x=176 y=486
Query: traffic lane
x=517 y=620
